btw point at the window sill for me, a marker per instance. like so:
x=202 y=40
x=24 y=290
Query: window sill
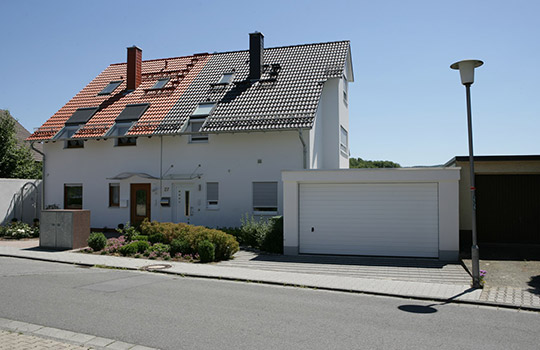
x=212 y=208
x=265 y=213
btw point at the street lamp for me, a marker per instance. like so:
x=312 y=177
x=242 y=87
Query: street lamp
x=466 y=70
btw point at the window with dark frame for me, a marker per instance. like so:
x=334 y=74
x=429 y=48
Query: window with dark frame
x=160 y=84
x=265 y=197
x=212 y=195
x=73 y=196
x=197 y=119
x=345 y=91
x=107 y=90
x=114 y=195
x=343 y=139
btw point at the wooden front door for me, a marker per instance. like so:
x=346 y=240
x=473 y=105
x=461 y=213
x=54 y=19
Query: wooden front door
x=140 y=203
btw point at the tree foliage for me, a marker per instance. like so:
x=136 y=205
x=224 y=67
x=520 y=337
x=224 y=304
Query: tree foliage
x=360 y=163
x=16 y=159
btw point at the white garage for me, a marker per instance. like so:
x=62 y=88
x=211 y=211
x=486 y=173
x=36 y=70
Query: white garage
x=378 y=212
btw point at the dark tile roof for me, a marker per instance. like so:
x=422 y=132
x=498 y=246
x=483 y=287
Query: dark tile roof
x=286 y=96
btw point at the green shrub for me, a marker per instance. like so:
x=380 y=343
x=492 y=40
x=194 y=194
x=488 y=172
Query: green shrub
x=129 y=249
x=18 y=230
x=225 y=245
x=206 y=251
x=254 y=231
x=180 y=246
x=156 y=238
x=273 y=241
x=97 y=241
x=142 y=246
x=236 y=232
x=140 y=238
x=129 y=232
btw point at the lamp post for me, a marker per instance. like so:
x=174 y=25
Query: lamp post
x=466 y=71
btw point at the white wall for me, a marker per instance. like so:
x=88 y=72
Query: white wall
x=448 y=197
x=10 y=200
x=230 y=159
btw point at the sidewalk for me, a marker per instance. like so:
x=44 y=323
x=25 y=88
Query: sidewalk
x=411 y=278
x=15 y=335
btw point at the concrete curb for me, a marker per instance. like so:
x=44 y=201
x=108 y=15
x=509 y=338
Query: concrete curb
x=68 y=337
x=444 y=293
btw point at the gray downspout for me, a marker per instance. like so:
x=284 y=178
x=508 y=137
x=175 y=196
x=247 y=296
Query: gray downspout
x=304 y=148
x=43 y=176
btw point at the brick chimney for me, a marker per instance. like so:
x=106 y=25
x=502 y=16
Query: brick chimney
x=134 y=67
x=256 y=58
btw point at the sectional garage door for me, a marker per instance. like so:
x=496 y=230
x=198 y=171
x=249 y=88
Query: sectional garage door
x=369 y=219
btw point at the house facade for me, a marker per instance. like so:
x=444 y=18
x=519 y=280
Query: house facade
x=199 y=139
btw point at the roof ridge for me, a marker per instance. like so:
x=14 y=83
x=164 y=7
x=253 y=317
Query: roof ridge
x=226 y=52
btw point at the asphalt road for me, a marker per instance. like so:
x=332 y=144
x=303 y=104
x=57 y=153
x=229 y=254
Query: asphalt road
x=172 y=312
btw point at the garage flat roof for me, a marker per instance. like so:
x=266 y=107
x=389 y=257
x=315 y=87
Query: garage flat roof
x=495 y=158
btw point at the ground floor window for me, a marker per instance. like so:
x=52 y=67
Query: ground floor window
x=73 y=195
x=265 y=197
x=114 y=195
x=212 y=195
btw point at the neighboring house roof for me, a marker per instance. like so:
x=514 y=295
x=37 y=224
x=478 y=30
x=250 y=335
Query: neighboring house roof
x=21 y=134
x=494 y=158
x=285 y=97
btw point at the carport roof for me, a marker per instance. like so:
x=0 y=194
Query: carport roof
x=494 y=158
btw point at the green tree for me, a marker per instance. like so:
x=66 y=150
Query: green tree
x=360 y=163
x=16 y=159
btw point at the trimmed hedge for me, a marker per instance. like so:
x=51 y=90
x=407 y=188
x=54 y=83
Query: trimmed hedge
x=225 y=244
x=180 y=246
x=206 y=251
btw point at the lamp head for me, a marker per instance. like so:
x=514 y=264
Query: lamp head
x=466 y=70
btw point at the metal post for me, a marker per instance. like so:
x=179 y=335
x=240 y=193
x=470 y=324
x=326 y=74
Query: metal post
x=475 y=254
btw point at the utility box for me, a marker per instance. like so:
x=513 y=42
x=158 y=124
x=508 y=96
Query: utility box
x=64 y=229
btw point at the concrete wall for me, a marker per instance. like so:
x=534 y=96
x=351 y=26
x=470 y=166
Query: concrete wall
x=484 y=168
x=448 y=197
x=11 y=205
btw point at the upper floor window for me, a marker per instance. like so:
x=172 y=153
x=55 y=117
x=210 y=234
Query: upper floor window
x=197 y=119
x=212 y=195
x=226 y=78
x=343 y=140
x=107 y=90
x=345 y=91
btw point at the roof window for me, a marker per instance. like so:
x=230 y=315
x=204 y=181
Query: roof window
x=226 y=78
x=121 y=129
x=81 y=116
x=132 y=112
x=111 y=87
x=160 y=84
x=204 y=109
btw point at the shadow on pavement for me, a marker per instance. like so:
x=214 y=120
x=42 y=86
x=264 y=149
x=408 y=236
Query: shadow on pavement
x=429 y=309
x=534 y=283
x=354 y=260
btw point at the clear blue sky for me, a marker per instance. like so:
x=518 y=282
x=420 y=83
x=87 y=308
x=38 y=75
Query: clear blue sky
x=406 y=105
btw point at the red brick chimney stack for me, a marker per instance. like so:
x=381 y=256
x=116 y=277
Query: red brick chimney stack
x=134 y=67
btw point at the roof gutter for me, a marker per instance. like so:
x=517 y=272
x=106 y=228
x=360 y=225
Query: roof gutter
x=43 y=175
x=304 y=148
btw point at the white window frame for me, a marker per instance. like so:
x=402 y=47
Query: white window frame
x=345 y=91
x=201 y=138
x=212 y=203
x=264 y=209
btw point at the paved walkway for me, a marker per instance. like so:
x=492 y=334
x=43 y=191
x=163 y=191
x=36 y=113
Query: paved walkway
x=412 y=278
x=15 y=335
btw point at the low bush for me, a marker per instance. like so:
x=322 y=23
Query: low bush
x=180 y=246
x=156 y=238
x=142 y=246
x=254 y=231
x=273 y=241
x=206 y=251
x=97 y=241
x=129 y=249
x=158 y=250
x=236 y=232
x=225 y=244
x=18 y=230
x=128 y=231
x=140 y=238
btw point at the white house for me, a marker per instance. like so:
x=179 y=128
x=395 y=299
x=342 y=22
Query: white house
x=200 y=139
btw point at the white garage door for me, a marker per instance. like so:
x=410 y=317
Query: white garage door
x=369 y=219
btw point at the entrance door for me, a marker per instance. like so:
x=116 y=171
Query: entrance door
x=140 y=203
x=183 y=202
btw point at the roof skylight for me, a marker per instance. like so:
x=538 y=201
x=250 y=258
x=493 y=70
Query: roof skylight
x=132 y=112
x=81 y=116
x=111 y=87
x=204 y=109
x=160 y=84
x=226 y=78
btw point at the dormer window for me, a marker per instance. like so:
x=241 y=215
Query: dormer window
x=73 y=124
x=197 y=120
x=226 y=78
x=111 y=87
x=129 y=116
x=160 y=84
